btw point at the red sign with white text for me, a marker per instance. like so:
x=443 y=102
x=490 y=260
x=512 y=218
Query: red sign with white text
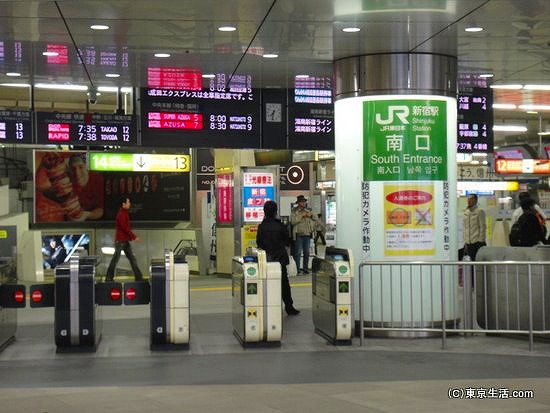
x=175 y=78
x=224 y=185
x=175 y=120
x=59 y=132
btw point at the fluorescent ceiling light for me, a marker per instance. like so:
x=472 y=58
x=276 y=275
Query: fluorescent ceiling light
x=479 y=154
x=50 y=54
x=227 y=28
x=504 y=106
x=112 y=75
x=534 y=107
x=209 y=76
x=270 y=56
x=301 y=76
x=13 y=74
x=512 y=87
x=15 y=84
x=126 y=89
x=509 y=128
x=543 y=133
x=486 y=75
x=60 y=87
x=531 y=112
x=473 y=29
x=474 y=162
x=351 y=29
x=487 y=185
x=99 y=27
x=113 y=89
x=162 y=55
x=537 y=87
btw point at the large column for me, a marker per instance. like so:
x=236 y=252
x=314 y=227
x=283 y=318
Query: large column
x=395 y=117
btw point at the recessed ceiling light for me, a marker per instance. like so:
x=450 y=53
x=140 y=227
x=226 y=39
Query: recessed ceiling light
x=99 y=27
x=270 y=56
x=351 y=29
x=473 y=29
x=162 y=55
x=209 y=76
x=227 y=28
x=112 y=75
x=301 y=76
x=486 y=75
x=13 y=74
x=50 y=54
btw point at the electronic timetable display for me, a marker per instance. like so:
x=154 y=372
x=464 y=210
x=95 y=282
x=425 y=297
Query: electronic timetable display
x=217 y=115
x=85 y=129
x=311 y=114
x=15 y=126
x=475 y=121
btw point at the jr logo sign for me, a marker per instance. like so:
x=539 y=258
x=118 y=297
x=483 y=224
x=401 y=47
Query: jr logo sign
x=402 y=112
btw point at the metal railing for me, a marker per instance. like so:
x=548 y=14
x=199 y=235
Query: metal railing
x=454 y=297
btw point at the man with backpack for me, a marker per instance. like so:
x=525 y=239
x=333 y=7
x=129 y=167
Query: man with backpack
x=527 y=231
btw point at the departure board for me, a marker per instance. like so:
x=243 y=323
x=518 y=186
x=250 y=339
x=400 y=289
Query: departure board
x=86 y=129
x=64 y=54
x=217 y=115
x=475 y=121
x=15 y=126
x=311 y=114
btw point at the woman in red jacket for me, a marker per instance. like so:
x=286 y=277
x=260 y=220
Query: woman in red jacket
x=123 y=236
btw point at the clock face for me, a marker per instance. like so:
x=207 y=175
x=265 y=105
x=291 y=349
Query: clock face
x=273 y=112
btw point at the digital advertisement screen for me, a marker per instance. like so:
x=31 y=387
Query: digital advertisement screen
x=311 y=114
x=258 y=188
x=215 y=116
x=67 y=191
x=86 y=129
x=475 y=121
x=59 y=248
x=15 y=126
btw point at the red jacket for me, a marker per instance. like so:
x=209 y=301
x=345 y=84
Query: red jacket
x=123 y=228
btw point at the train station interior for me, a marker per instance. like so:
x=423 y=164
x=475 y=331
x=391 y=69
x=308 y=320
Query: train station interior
x=199 y=112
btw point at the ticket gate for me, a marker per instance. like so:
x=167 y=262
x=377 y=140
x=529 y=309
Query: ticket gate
x=76 y=298
x=256 y=292
x=331 y=295
x=169 y=302
x=12 y=296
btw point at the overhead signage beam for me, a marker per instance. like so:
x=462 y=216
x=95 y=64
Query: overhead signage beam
x=138 y=162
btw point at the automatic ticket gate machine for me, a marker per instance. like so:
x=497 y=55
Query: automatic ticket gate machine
x=169 y=302
x=332 y=295
x=256 y=298
x=76 y=298
x=12 y=296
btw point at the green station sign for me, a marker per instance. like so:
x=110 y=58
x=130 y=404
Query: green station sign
x=404 y=140
x=138 y=162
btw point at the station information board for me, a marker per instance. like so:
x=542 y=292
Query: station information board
x=86 y=129
x=311 y=114
x=138 y=162
x=522 y=166
x=475 y=121
x=15 y=126
x=214 y=116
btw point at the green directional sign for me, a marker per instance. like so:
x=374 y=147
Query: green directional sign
x=405 y=140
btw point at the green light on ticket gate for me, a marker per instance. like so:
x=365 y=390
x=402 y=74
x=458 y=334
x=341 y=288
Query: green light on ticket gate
x=252 y=289
x=251 y=271
x=343 y=269
x=343 y=287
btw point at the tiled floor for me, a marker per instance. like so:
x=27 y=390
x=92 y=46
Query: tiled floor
x=303 y=375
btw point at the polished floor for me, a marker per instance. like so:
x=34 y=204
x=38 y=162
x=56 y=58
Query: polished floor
x=305 y=374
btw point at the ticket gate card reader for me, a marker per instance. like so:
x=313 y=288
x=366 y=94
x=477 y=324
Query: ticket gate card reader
x=256 y=298
x=331 y=295
x=77 y=323
x=169 y=302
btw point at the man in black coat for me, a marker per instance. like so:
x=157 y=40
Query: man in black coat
x=530 y=230
x=272 y=236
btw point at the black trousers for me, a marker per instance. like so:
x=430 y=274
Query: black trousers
x=127 y=248
x=472 y=249
x=318 y=235
x=285 y=288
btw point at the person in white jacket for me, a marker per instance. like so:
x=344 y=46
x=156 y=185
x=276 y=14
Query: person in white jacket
x=475 y=228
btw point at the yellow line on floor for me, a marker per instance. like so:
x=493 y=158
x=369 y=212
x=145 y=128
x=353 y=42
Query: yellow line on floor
x=229 y=288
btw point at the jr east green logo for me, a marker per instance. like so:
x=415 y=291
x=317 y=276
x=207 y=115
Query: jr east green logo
x=404 y=140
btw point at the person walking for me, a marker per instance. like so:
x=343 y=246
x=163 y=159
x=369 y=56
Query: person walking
x=303 y=226
x=320 y=231
x=475 y=228
x=272 y=236
x=123 y=236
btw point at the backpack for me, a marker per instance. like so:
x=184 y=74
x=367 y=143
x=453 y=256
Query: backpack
x=515 y=234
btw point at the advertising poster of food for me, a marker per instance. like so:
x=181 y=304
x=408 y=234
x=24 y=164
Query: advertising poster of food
x=66 y=191
x=409 y=219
